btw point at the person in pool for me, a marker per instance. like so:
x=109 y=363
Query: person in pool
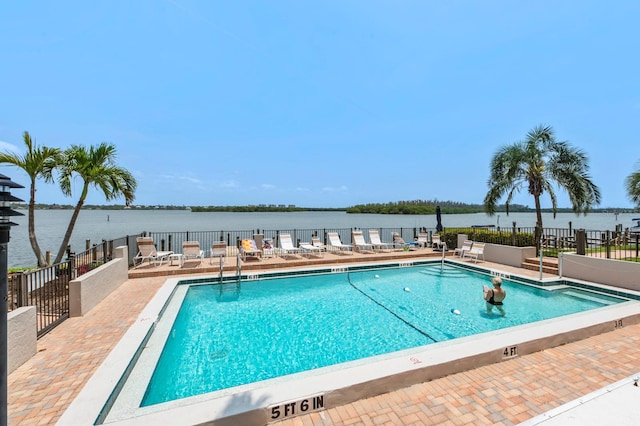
x=494 y=296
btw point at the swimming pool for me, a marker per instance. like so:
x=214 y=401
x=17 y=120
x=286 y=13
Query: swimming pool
x=383 y=323
x=270 y=328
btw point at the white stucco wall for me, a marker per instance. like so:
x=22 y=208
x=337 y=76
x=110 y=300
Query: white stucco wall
x=618 y=273
x=21 y=336
x=86 y=291
x=507 y=255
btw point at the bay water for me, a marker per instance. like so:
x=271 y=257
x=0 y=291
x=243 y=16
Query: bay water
x=96 y=225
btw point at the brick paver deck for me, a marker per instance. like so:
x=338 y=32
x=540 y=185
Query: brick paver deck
x=505 y=393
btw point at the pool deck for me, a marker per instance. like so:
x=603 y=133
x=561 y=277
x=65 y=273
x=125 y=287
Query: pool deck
x=592 y=376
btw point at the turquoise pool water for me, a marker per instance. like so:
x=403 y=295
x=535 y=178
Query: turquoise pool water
x=270 y=328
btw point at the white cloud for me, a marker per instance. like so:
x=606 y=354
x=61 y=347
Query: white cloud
x=228 y=184
x=342 y=188
x=267 y=186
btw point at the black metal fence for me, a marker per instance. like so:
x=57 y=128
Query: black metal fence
x=173 y=240
x=47 y=289
x=619 y=244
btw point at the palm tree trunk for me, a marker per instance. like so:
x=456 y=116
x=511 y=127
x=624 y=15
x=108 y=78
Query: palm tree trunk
x=538 y=231
x=72 y=224
x=32 y=227
x=538 y=211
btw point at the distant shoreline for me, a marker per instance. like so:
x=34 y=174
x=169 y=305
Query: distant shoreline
x=462 y=209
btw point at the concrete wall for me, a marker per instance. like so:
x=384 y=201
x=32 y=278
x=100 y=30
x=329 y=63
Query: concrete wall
x=21 y=336
x=616 y=273
x=507 y=255
x=86 y=291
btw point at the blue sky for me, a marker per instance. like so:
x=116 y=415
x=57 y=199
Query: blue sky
x=330 y=103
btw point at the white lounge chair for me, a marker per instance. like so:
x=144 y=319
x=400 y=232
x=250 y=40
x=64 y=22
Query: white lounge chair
x=359 y=242
x=336 y=244
x=423 y=239
x=147 y=251
x=311 y=250
x=286 y=245
x=437 y=243
x=191 y=250
x=248 y=248
x=317 y=243
x=399 y=242
x=374 y=236
x=268 y=248
x=476 y=251
x=466 y=246
x=218 y=249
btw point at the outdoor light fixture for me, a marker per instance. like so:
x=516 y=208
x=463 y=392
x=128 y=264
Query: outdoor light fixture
x=5 y=225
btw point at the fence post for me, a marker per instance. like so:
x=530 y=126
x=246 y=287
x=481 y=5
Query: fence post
x=72 y=266
x=104 y=251
x=513 y=234
x=22 y=290
x=608 y=244
x=581 y=242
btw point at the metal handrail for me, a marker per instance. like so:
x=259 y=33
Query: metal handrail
x=239 y=267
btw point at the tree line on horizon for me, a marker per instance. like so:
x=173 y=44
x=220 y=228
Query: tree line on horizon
x=391 y=207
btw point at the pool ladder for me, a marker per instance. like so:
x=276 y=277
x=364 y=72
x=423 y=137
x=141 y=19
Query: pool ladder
x=230 y=291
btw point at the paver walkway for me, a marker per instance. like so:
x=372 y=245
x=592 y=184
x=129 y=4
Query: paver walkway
x=505 y=393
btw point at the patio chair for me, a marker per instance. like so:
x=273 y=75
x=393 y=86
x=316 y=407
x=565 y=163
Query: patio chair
x=308 y=249
x=191 y=250
x=316 y=242
x=268 y=248
x=423 y=239
x=476 y=251
x=359 y=242
x=249 y=249
x=147 y=251
x=218 y=249
x=336 y=244
x=399 y=241
x=437 y=243
x=286 y=245
x=376 y=242
x=466 y=246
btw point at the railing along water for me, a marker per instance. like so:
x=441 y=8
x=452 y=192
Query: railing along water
x=48 y=288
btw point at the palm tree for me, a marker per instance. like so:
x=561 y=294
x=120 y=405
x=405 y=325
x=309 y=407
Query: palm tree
x=540 y=162
x=633 y=186
x=37 y=162
x=95 y=166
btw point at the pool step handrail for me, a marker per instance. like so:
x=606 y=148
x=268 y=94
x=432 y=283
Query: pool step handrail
x=221 y=269
x=239 y=268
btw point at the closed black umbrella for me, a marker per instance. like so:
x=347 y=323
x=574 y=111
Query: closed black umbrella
x=438 y=219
